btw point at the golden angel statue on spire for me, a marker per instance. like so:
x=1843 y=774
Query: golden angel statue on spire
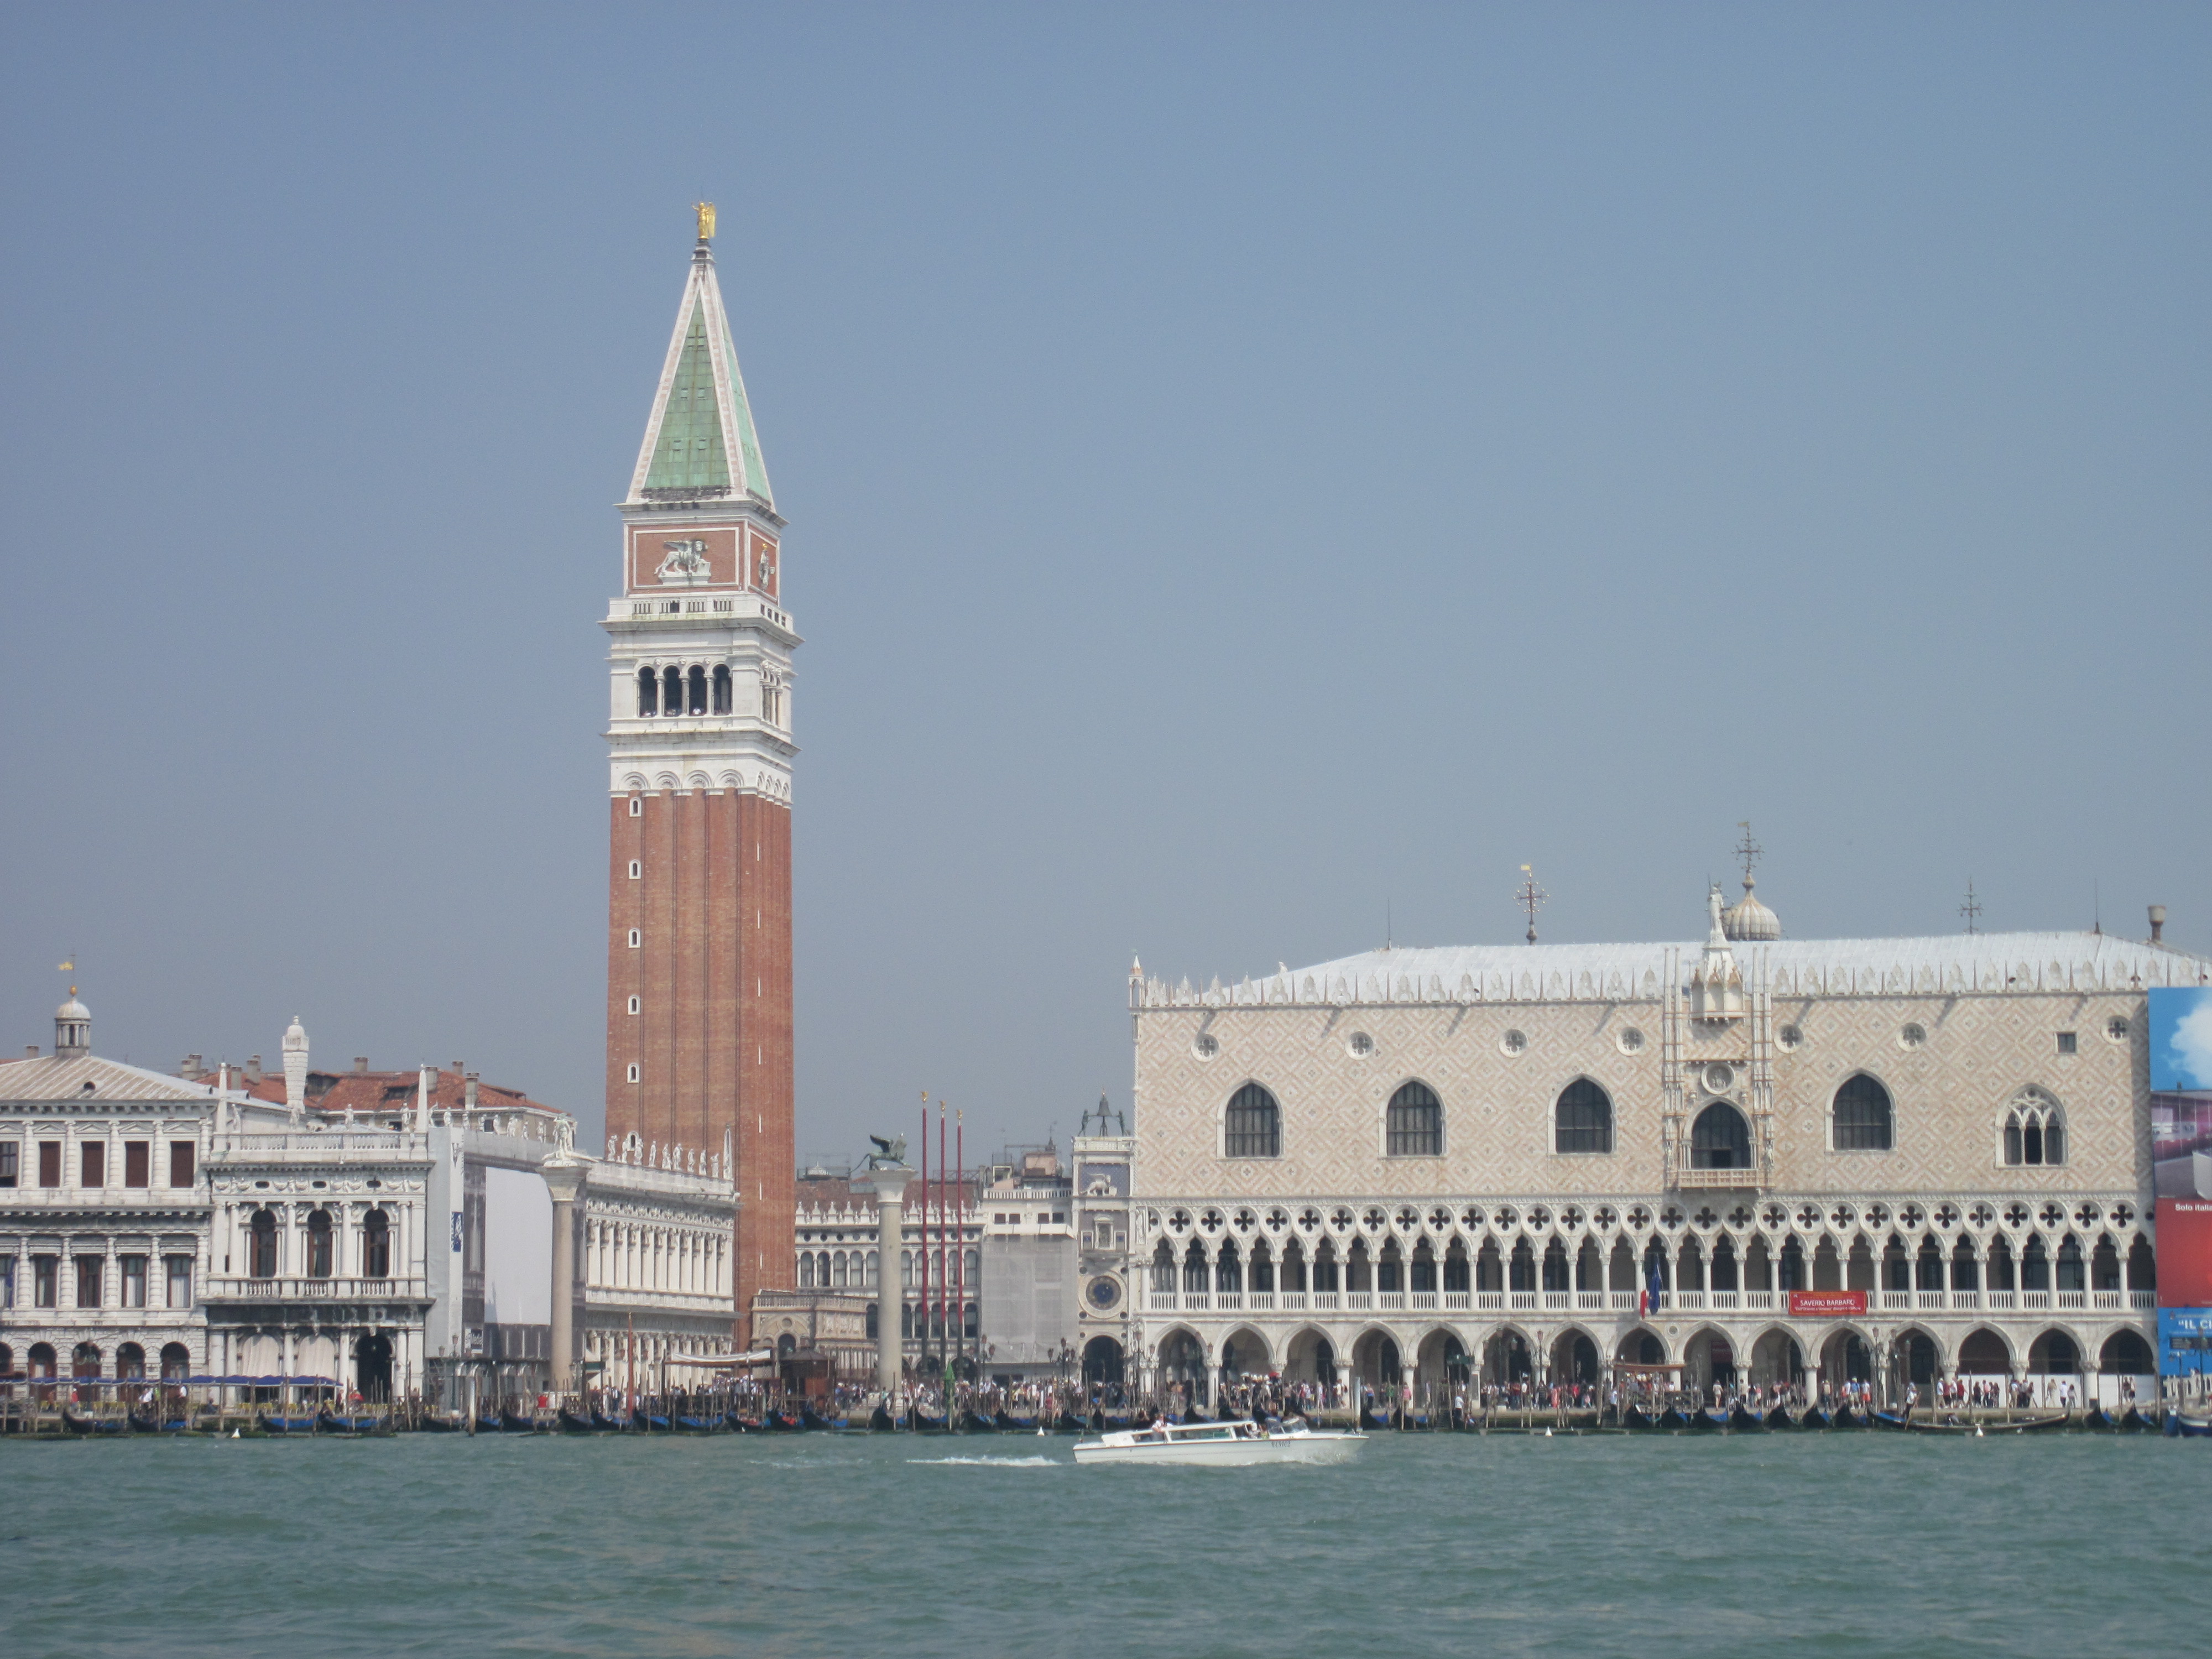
x=706 y=212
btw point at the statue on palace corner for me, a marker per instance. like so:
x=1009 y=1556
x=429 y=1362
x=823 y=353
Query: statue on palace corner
x=888 y=1154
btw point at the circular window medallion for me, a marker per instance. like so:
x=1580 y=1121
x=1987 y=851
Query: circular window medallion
x=1719 y=1077
x=1104 y=1292
x=1513 y=1042
x=1789 y=1039
x=2116 y=1028
x=1631 y=1040
x=1913 y=1036
x=1360 y=1045
x=1205 y=1045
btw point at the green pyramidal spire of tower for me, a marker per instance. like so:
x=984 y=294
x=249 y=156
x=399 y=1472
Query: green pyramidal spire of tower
x=700 y=442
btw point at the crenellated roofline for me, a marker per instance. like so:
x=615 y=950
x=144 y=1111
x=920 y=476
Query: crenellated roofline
x=1968 y=962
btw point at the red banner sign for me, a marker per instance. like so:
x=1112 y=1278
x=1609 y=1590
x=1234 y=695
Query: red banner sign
x=1826 y=1304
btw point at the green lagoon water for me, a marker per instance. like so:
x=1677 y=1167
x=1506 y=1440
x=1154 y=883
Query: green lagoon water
x=981 y=1547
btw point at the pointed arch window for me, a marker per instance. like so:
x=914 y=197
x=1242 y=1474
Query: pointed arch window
x=1415 y=1122
x=1581 y=1119
x=2034 y=1129
x=1720 y=1138
x=1862 y=1121
x=1253 y=1127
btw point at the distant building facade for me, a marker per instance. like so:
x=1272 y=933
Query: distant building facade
x=1105 y=1288
x=392 y=1232
x=1756 y=1159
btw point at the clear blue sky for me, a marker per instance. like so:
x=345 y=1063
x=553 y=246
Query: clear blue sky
x=1249 y=468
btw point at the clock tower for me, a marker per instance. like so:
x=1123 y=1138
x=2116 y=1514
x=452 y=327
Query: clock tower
x=699 y=1037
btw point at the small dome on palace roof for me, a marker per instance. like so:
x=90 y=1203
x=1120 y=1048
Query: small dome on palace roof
x=1747 y=919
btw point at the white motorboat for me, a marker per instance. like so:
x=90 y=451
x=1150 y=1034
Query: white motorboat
x=1223 y=1445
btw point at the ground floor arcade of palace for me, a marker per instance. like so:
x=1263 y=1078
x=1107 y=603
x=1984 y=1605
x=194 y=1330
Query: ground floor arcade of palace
x=1541 y=1291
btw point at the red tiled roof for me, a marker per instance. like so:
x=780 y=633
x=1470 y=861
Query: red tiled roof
x=367 y=1092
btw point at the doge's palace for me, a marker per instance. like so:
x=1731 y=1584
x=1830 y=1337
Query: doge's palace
x=1762 y=1160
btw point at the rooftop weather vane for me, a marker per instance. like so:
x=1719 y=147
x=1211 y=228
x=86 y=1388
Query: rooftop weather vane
x=1972 y=909
x=1531 y=897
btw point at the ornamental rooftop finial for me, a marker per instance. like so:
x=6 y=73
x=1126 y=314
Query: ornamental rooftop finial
x=706 y=212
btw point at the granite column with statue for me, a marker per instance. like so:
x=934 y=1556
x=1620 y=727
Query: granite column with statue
x=564 y=1178
x=886 y=1177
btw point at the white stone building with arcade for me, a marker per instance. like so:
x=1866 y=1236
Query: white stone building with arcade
x=1876 y=1159
x=397 y=1234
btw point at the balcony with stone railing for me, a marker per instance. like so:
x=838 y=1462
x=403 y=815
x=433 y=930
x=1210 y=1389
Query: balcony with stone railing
x=291 y=1288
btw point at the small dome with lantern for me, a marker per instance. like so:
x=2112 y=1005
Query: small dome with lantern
x=1747 y=919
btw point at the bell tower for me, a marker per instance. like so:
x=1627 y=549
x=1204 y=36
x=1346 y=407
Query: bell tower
x=699 y=1037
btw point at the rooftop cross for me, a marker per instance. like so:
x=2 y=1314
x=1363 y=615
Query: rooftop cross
x=1749 y=851
x=1531 y=897
x=1972 y=909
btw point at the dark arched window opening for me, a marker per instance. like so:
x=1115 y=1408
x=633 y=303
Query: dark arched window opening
x=698 y=704
x=261 y=1246
x=2035 y=1130
x=1555 y=1267
x=1254 y=1128
x=376 y=1246
x=672 y=691
x=1720 y=1138
x=1194 y=1279
x=131 y=1361
x=648 y=692
x=2071 y=1274
x=721 y=689
x=2126 y=1354
x=1583 y=1119
x=319 y=1244
x=176 y=1362
x=1164 y=1269
x=1862 y=1116
x=1416 y=1123
x=2142 y=1267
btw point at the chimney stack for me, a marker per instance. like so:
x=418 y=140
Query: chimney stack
x=361 y=1064
x=469 y=1090
x=2157 y=924
x=30 y=1051
x=253 y=1069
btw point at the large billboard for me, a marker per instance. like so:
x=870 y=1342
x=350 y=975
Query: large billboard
x=2184 y=1252
x=2184 y=1341
x=2181 y=1090
x=2181 y=1038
